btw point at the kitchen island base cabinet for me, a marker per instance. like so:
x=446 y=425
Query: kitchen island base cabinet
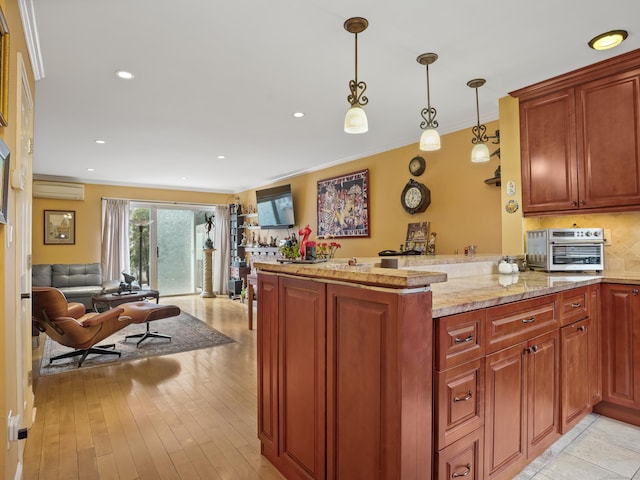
x=362 y=410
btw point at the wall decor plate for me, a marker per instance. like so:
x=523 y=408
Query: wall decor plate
x=511 y=206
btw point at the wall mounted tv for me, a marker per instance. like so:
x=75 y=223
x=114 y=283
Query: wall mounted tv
x=275 y=207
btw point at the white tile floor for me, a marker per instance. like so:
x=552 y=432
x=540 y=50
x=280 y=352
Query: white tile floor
x=598 y=448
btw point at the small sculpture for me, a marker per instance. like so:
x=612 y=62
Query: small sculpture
x=208 y=243
x=304 y=235
x=431 y=246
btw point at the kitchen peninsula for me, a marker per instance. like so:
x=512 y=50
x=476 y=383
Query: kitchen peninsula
x=369 y=372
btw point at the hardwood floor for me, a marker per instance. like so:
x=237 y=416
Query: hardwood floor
x=190 y=415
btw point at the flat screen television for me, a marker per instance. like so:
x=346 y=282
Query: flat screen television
x=275 y=207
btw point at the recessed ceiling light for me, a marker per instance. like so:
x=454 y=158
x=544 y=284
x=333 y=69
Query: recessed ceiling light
x=608 y=40
x=298 y=114
x=91 y=169
x=124 y=74
x=183 y=178
x=101 y=142
x=220 y=157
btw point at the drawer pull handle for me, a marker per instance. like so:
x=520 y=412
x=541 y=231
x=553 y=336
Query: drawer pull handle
x=576 y=305
x=634 y=291
x=458 y=340
x=463 y=399
x=529 y=320
x=581 y=328
x=456 y=475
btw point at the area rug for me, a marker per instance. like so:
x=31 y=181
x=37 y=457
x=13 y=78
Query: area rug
x=187 y=333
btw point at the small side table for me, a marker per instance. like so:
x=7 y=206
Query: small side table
x=110 y=300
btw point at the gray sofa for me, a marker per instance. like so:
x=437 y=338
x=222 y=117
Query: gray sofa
x=78 y=282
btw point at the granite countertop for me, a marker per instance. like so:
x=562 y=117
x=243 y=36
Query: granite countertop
x=459 y=284
x=363 y=273
x=471 y=293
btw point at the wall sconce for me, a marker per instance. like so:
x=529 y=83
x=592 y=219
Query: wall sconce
x=356 y=119
x=430 y=138
x=480 y=152
x=608 y=40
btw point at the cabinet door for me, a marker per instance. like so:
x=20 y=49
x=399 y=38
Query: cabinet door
x=301 y=377
x=463 y=459
x=621 y=345
x=548 y=149
x=575 y=376
x=595 y=346
x=542 y=361
x=608 y=117
x=505 y=422
x=267 y=347
x=379 y=384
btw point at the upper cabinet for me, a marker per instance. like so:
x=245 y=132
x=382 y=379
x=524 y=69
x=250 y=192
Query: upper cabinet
x=580 y=139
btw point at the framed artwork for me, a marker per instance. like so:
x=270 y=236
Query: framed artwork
x=4 y=181
x=417 y=236
x=343 y=205
x=4 y=70
x=59 y=227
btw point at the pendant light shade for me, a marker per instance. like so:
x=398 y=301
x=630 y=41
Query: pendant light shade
x=430 y=138
x=355 y=120
x=480 y=152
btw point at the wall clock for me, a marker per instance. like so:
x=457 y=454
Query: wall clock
x=417 y=166
x=415 y=197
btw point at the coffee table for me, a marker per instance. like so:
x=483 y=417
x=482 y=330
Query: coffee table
x=110 y=300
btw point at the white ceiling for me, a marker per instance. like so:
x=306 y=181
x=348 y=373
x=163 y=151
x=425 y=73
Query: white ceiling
x=223 y=77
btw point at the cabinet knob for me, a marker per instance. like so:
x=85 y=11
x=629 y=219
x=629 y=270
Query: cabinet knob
x=581 y=328
x=574 y=204
x=456 y=475
x=463 y=340
x=532 y=349
x=634 y=291
x=581 y=202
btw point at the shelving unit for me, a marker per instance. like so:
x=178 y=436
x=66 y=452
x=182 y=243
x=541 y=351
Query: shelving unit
x=238 y=268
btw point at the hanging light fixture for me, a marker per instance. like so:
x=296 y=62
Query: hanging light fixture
x=430 y=138
x=356 y=119
x=480 y=152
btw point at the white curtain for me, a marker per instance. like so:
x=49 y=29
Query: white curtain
x=115 y=238
x=221 y=253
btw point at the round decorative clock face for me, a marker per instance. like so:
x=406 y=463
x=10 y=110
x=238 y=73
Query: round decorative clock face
x=415 y=197
x=417 y=166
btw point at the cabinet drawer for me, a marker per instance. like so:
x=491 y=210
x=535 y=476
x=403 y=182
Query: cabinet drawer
x=458 y=402
x=463 y=459
x=574 y=305
x=515 y=322
x=459 y=339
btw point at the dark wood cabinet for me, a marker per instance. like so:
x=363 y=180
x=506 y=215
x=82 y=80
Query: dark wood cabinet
x=344 y=380
x=621 y=352
x=521 y=401
x=576 y=398
x=463 y=459
x=580 y=139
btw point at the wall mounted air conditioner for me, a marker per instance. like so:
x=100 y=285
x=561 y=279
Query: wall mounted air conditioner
x=59 y=190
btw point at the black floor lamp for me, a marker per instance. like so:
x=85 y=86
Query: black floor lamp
x=141 y=224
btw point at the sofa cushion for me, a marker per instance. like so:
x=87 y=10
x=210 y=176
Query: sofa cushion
x=41 y=275
x=76 y=275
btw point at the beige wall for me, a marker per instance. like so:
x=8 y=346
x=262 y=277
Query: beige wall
x=464 y=210
x=88 y=219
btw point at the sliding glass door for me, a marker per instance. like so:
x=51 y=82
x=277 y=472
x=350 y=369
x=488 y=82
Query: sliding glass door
x=167 y=251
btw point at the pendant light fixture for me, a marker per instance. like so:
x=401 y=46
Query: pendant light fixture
x=356 y=119
x=430 y=138
x=480 y=152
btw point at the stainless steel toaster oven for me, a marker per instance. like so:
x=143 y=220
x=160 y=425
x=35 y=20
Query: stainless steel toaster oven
x=565 y=249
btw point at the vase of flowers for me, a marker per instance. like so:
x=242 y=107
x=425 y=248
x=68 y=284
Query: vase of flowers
x=326 y=250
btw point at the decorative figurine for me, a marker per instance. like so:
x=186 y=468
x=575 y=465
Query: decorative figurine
x=304 y=235
x=208 y=243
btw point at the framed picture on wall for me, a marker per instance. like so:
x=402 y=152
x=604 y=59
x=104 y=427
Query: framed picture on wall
x=59 y=227
x=343 y=205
